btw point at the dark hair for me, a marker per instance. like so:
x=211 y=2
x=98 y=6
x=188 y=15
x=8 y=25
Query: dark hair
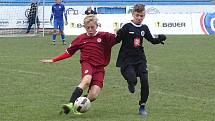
x=139 y=8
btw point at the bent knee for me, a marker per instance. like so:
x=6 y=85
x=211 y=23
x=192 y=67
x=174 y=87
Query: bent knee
x=92 y=98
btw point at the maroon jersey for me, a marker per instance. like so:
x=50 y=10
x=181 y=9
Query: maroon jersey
x=95 y=50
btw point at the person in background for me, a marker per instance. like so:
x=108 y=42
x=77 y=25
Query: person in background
x=58 y=11
x=32 y=16
x=90 y=11
x=131 y=58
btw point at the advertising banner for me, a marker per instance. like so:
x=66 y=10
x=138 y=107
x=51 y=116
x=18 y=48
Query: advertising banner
x=174 y=24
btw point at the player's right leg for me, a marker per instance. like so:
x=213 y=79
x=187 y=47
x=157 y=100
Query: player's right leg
x=94 y=89
x=76 y=94
x=54 y=35
x=29 y=26
x=85 y=82
x=130 y=75
x=67 y=108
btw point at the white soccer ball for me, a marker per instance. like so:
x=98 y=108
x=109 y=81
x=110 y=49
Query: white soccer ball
x=82 y=104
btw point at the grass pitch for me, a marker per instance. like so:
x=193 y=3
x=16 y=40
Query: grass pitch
x=181 y=76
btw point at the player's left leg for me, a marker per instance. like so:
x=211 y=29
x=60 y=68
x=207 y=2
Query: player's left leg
x=96 y=83
x=93 y=92
x=143 y=74
x=61 y=29
x=38 y=23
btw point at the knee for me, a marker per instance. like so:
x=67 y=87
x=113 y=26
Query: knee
x=86 y=80
x=61 y=31
x=128 y=75
x=92 y=97
x=54 y=31
x=131 y=76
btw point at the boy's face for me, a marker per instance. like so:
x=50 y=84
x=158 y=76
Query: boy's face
x=91 y=28
x=138 y=17
x=57 y=1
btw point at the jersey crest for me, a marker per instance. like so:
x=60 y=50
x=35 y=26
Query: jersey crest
x=142 y=33
x=99 y=40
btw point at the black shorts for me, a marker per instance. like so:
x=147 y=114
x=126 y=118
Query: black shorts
x=137 y=69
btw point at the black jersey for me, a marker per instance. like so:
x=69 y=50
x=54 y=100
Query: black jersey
x=132 y=50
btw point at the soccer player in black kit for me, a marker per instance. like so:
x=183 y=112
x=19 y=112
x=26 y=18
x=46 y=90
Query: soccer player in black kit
x=131 y=58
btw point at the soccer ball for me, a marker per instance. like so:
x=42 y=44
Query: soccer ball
x=82 y=104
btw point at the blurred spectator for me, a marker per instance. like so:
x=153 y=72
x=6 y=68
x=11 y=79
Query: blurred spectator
x=90 y=11
x=32 y=16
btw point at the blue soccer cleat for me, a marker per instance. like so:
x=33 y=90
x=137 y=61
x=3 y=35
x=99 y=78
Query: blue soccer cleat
x=142 y=110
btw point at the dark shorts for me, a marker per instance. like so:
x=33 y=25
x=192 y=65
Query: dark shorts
x=96 y=72
x=138 y=69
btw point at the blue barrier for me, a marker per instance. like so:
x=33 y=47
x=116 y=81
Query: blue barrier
x=112 y=2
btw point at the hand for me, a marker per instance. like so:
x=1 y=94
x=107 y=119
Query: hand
x=46 y=61
x=116 y=31
x=162 y=38
x=66 y=22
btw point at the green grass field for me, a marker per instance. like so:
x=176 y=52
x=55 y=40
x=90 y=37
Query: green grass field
x=181 y=74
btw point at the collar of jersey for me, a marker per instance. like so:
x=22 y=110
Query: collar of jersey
x=93 y=35
x=135 y=24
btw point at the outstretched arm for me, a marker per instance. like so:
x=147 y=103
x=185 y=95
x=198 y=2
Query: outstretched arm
x=74 y=46
x=57 y=58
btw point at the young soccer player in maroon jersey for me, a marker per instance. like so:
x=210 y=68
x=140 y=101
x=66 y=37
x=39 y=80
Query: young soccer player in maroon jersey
x=95 y=51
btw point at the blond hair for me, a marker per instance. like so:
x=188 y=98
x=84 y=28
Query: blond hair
x=90 y=18
x=138 y=8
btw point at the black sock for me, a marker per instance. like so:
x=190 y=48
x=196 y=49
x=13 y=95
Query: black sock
x=76 y=94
